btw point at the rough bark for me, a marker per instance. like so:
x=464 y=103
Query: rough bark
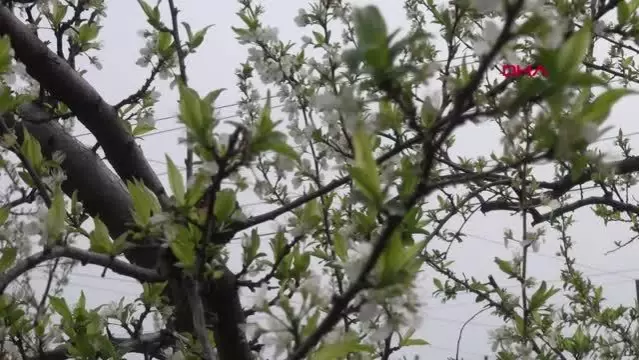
x=101 y=191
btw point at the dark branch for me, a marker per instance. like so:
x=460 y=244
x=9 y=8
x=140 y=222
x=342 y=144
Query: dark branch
x=118 y=266
x=146 y=343
x=614 y=204
x=56 y=76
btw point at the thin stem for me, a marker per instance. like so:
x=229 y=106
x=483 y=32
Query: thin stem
x=175 y=32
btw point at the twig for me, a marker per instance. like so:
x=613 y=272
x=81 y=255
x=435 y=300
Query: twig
x=461 y=330
x=175 y=32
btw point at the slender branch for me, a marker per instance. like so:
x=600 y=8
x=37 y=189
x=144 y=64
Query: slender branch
x=461 y=330
x=595 y=200
x=563 y=185
x=177 y=43
x=341 y=303
x=131 y=99
x=256 y=220
x=117 y=266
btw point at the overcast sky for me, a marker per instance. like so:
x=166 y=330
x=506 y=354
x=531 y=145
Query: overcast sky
x=213 y=67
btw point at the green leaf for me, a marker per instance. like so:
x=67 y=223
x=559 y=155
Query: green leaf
x=438 y=284
x=250 y=249
x=141 y=129
x=372 y=34
x=32 y=151
x=598 y=111
x=283 y=148
x=392 y=258
x=5 y=54
x=175 y=181
x=390 y=118
x=58 y=13
x=213 y=95
x=225 y=204
x=60 y=306
x=623 y=12
x=152 y=293
x=197 y=39
x=414 y=342
x=187 y=27
x=505 y=266
x=8 y=258
x=82 y=302
x=340 y=349
x=164 y=42
x=148 y=10
x=340 y=246
x=184 y=251
x=87 y=32
x=540 y=296
x=144 y=202
x=311 y=216
x=365 y=172
x=99 y=238
x=573 y=52
x=190 y=109
x=412 y=253
x=4 y=215
x=56 y=215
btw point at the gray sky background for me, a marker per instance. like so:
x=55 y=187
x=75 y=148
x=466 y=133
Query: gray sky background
x=213 y=67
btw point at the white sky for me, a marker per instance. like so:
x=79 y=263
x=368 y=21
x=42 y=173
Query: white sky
x=213 y=67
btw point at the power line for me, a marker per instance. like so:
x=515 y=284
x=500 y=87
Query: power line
x=237 y=103
x=601 y=272
x=175 y=116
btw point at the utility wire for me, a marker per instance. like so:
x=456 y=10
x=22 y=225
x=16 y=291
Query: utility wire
x=174 y=116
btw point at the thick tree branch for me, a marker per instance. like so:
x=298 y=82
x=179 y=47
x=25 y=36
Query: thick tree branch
x=103 y=194
x=56 y=76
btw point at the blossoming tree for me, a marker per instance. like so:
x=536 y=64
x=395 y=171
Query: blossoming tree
x=365 y=143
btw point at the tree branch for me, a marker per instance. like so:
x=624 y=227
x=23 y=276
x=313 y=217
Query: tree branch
x=562 y=186
x=117 y=266
x=103 y=194
x=146 y=343
x=56 y=76
x=191 y=287
x=595 y=200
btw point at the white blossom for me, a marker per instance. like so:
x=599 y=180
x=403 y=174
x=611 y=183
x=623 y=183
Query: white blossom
x=382 y=332
x=357 y=255
x=210 y=168
x=368 y=311
x=590 y=132
x=146 y=119
x=261 y=300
